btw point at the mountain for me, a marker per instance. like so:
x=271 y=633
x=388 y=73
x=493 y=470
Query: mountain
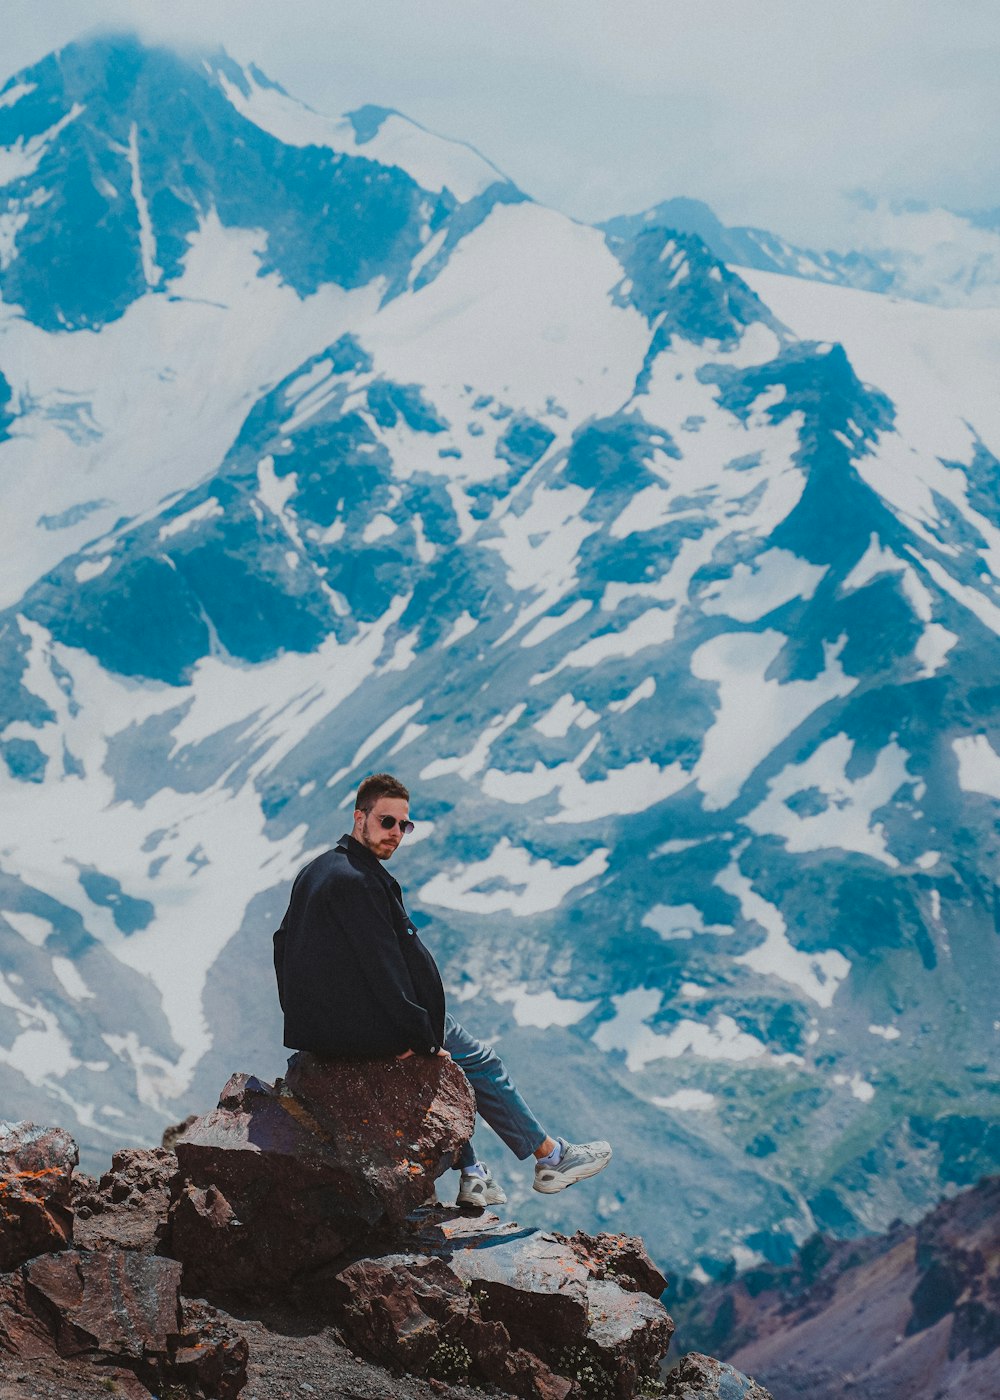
x=912 y=1312
x=909 y=250
x=326 y=450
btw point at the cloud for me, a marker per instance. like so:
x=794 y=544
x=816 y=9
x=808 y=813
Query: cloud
x=767 y=109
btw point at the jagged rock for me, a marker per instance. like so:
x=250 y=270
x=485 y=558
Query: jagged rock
x=119 y=1305
x=546 y=1300
x=119 y=1308
x=127 y=1208
x=621 y=1257
x=207 y=1354
x=176 y=1130
x=279 y=1181
x=414 y=1312
x=36 y=1169
x=703 y=1378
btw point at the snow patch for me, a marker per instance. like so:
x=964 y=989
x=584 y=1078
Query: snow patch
x=14 y=94
x=680 y=921
x=754 y=590
x=469 y=764
x=755 y=714
x=543 y=1009
x=72 y=983
x=885 y=1032
x=645 y=690
x=627 y=1031
x=23 y=158
x=518 y=882
x=556 y=722
x=31 y=927
x=818 y=975
x=687 y=1101
x=651 y=628
x=147 y=239
x=378 y=528
x=845 y=821
x=208 y=510
x=978 y=765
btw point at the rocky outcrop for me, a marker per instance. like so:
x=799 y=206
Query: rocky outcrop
x=914 y=1312
x=127 y=1208
x=280 y=1181
x=36 y=1170
x=703 y=1378
x=315 y=1195
x=120 y=1310
x=526 y=1310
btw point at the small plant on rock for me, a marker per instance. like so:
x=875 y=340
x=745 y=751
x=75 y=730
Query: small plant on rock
x=451 y=1362
x=591 y=1379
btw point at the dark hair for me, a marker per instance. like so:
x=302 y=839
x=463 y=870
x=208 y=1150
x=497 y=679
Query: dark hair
x=379 y=785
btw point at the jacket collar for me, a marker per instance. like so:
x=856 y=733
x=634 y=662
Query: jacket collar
x=351 y=847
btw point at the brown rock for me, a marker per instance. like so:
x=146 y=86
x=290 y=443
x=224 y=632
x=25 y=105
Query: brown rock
x=208 y=1355
x=703 y=1378
x=279 y=1181
x=36 y=1170
x=561 y=1322
x=531 y=1283
x=414 y=1312
x=119 y=1308
x=176 y=1130
x=629 y=1333
x=127 y=1208
x=120 y=1305
x=621 y=1257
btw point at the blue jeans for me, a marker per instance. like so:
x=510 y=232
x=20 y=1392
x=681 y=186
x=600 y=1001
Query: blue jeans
x=497 y=1098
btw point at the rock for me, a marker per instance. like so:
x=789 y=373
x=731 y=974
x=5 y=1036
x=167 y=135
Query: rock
x=119 y=1308
x=628 y=1333
x=562 y=1322
x=176 y=1130
x=703 y=1378
x=119 y=1305
x=279 y=1181
x=36 y=1170
x=414 y=1312
x=208 y=1355
x=127 y=1208
x=621 y=1257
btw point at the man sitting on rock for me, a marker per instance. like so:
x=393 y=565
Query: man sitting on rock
x=355 y=980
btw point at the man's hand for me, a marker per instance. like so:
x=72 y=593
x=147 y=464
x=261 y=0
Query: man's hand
x=443 y=1055
x=440 y=1055
x=405 y=1055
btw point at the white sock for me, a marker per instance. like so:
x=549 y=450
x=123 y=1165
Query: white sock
x=477 y=1169
x=554 y=1157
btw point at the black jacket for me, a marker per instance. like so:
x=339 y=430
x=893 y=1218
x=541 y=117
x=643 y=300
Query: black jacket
x=353 y=977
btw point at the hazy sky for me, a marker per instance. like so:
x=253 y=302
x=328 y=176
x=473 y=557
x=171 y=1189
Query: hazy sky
x=771 y=110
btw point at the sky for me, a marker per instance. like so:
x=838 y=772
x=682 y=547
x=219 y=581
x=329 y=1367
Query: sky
x=776 y=112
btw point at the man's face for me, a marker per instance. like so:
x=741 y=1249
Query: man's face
x=369 y=830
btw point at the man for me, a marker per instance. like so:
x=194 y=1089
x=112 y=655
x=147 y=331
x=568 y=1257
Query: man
x=355 y=980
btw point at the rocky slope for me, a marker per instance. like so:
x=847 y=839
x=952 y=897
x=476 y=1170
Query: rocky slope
x=300 y=1210
x=324 y=449
x=915 y=1312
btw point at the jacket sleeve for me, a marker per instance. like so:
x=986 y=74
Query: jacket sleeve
x=367 y=926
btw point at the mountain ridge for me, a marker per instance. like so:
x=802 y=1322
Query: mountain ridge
x=680 y=629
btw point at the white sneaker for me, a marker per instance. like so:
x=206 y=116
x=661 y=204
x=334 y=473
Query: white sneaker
x=479 y=1192
x=578 y=1161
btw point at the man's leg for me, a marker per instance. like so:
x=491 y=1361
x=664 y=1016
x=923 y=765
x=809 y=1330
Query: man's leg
x=497 y=1097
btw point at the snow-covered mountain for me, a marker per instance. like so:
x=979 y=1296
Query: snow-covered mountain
x=671 y=592
x=912 y=250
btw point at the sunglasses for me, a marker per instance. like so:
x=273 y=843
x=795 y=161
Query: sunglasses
x=387 y=824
